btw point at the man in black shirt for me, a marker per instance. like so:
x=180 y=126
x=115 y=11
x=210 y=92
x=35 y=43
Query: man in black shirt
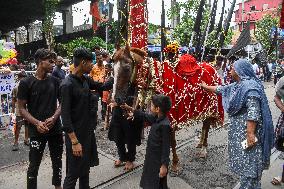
x=40 y=94
x=57 y=71
x=79 y=117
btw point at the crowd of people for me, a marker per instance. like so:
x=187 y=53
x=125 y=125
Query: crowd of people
x=59 y=106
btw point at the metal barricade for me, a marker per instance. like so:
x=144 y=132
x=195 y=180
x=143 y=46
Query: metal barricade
x=6 y=104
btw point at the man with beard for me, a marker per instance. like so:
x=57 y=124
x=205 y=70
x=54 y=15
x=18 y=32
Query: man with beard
x=37 y=100
x=79 y=117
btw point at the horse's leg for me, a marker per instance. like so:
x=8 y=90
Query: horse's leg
x=174 y=167
x=204 y=137
x=204 y=134
x=205 y=129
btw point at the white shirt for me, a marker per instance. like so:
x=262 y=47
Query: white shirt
x=269 y=65
x=255 y=68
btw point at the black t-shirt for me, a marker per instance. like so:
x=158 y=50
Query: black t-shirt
x=42 y=98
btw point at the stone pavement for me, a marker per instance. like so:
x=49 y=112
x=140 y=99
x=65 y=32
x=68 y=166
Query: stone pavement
x=105 y=176
x=14 y=177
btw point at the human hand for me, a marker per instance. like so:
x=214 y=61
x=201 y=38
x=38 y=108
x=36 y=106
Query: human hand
x=163 y=171
x=251 y=140
x=41 y=127
x=112 y=105
x=49 y=122
x=126 y=107
x=77 y=150
x=203 y=85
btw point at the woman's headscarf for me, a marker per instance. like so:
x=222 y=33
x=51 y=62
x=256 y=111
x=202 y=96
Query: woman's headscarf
x=234 y=98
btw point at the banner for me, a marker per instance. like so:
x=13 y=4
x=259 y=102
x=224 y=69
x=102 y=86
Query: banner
x=7 y=83
x=138 y=23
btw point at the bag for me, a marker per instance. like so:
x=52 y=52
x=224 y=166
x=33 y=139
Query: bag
x=279 y=133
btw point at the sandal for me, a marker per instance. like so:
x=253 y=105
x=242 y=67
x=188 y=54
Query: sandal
x=118 y=163
x=276 y=181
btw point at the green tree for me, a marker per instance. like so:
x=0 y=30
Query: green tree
x=68 y=48
x=183 y=31
x=213 y=42
x=263 y=30
x=153 y=29
x=50 y=7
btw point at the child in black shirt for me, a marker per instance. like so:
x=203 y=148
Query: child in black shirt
x=158 y=146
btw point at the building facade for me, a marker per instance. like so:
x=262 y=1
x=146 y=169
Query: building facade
x=254 y=10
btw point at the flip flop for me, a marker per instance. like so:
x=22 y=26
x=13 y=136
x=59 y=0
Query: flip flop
x=276 y=181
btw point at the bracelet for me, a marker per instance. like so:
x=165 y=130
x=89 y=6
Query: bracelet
x=75 y=143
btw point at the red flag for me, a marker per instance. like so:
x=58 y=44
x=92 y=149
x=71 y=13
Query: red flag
x=138 y=23
x=282 y=16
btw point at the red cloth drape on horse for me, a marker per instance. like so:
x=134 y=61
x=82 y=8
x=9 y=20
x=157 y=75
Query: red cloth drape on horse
x=190 y=102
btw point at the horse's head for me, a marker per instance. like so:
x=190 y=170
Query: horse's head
x=125 y=69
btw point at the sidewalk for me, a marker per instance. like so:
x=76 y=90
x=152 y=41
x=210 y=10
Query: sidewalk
x=275 y=170
x=15 y=177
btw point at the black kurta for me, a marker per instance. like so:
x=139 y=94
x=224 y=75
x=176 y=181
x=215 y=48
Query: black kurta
x=79 y=114
x=122 y=130
x=157 y=151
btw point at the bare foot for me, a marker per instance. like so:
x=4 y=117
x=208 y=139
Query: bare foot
x=129 y=166
x=118 y=163
x=106 y=126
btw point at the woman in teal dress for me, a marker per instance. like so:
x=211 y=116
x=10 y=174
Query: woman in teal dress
x=249 y=119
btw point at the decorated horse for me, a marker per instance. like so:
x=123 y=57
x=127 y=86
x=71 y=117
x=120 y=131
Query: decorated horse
x=178 y=78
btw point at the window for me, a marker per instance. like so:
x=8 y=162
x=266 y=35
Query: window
x=253 y=8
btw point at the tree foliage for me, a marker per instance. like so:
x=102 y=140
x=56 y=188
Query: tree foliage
x=183 y=31
x=153 y=29
x=81 y=42
x=50 y=7
x=263 y=30
x=212 y=41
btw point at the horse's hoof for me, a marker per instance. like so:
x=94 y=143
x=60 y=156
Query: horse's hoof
x=203 y=152
x=198 y=146
x=174 y=169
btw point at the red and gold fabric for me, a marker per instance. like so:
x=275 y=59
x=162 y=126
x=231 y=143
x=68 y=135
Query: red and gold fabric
x=138 y=21
x=190 y=102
